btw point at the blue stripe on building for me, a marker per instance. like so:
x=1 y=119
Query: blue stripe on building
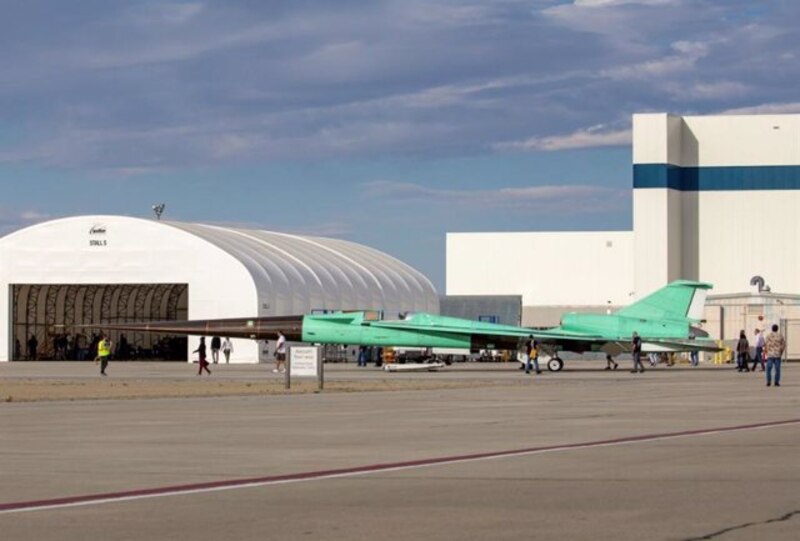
x=693 y=179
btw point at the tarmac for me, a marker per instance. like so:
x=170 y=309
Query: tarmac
x=674 y=453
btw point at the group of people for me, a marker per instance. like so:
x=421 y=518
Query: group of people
x=226 y=346
x=368 y=354
x=65 y=347
x=217 y=345
x=768 y=354
x=104 y=348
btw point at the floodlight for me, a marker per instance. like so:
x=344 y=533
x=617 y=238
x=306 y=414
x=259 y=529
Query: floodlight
x=158 y=210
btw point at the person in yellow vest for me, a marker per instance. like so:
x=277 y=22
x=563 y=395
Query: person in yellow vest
x=103 y=353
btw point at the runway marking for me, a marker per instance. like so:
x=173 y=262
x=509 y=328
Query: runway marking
x=231 y=484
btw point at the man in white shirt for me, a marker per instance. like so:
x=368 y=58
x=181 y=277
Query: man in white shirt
x=227 y=347
x=280 y=353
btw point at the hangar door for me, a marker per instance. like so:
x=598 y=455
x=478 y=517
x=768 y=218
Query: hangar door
x=45 y=320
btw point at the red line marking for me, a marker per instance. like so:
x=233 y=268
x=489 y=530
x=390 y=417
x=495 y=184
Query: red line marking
x=373 y=468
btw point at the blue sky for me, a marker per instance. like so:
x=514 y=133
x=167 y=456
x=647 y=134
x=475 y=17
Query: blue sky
x=384 y=122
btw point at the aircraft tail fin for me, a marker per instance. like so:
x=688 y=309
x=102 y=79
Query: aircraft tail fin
x=679 y=300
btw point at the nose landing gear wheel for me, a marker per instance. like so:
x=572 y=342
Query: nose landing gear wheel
x=555 y=364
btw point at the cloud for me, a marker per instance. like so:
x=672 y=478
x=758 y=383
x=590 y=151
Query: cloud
x=610 y=3
x=684 y=57
x=449 y=15
x=154 y=86
x=614 y=18
x=544 y=199
x=165 y=12
x=765 y=109
x=715 y=91
x=592 y=137
x=12 y=220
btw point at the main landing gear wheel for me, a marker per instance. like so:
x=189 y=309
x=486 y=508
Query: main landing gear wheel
x=555 y=364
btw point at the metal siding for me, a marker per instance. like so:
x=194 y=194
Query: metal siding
x=545 y=268
x=296 y=274
x=508 y=308
x=740 y=140
x=744 y=234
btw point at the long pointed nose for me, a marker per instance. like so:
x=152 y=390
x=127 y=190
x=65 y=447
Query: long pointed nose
x=257 y=328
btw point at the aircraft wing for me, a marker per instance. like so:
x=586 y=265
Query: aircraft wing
x=494 y=330
x=558 y=340
x=430 y=323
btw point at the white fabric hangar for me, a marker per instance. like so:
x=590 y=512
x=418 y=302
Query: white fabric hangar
x=58 y=275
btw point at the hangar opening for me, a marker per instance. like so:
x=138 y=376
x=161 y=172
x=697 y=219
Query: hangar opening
x=47 y=319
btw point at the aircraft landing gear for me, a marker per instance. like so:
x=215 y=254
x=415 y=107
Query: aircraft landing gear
x=555 y=364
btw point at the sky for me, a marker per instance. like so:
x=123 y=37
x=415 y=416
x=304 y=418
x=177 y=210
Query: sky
x=384 y=122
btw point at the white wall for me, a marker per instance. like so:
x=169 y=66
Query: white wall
x=723 y=237
x=545 y=268
x=658 y=238
x=657 y=212
x=743 y=234
x=657 y=138
x=740 y=140
x=137 y=251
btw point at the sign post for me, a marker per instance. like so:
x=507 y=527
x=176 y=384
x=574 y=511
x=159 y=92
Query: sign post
x=305 y=362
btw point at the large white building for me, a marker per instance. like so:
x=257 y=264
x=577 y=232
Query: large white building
x=715 y=198
x=58 y=275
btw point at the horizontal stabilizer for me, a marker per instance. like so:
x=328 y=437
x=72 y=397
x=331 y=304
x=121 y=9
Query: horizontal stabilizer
x=413 y=367
x=678 y=346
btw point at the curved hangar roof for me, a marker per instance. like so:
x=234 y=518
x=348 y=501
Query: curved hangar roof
x=292 y=274
x=299 y=274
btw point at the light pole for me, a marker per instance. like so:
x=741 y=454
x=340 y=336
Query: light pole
x=158 y=210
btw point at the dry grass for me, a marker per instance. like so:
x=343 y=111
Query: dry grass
x=38 y=390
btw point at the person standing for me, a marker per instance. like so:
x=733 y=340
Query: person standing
x=775 y=344
x=362 y=355
x=694 y=358
x=103 y=353
x=201 y=357
x=216 y=344
x=280 y=353
x=759 y=353
x=124 y=348
x=534 y=356
x=33 y=345
x=636 y=343
x=526 y=356
x=227 y=347
x=742 y=350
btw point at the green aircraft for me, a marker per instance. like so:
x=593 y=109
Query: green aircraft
x=664 y=320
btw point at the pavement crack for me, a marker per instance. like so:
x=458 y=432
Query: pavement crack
x=724 y=531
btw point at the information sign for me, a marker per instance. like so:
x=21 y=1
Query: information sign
x=304 y=362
